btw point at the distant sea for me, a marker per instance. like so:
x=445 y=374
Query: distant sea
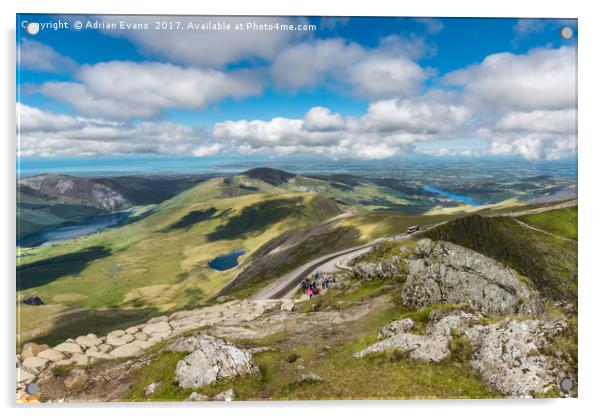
x=403 y=166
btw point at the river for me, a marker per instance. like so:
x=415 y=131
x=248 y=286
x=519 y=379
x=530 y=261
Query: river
x=456 y=197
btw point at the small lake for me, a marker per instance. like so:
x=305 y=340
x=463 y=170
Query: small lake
x=226 y=261
x=456 y=197
x=80 y=229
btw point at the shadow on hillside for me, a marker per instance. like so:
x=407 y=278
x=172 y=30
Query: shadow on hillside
x=257 y=217
x=45 y=271
x=193 y=217
x=81 y=322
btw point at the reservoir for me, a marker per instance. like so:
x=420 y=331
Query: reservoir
x=456 y=197
x=226 y=261
x=74 y=230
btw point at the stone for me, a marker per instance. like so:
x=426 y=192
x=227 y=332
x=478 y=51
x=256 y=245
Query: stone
x=35 y=363
x=24 y=376
x=442 y=272
x=396 y=327
x=87 y=342
x=115 y=341
x=210 y=359
x=33 y=300
x=132 y=330
x=98 y=355
x=157 y=328
x=104 y=348
x=151 y=388
x=508 y=355
x=223 y=299
x=287 y=305
x=31 y=349
x=141 y=336
x=383 y=270
x=62 y=363
x=312 y=377
x=69 y=348
x=142 y=344
x=197 y=397
x=117 y=333
x=77 y=378
x=224 y=396
x=420 y=347
x=80 y=359
x=128 y=338
x=157 y=319
x=127 y=350
x=456 y=320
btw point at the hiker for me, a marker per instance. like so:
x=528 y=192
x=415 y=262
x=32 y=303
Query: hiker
x=325 y=282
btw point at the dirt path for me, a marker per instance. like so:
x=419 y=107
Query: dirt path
x=524 y=224
x=568 y=204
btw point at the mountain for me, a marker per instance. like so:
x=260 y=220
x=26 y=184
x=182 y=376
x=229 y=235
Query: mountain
x=50 y=201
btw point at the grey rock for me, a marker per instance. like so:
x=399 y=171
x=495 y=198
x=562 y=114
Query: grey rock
x=383 y=270
x=77 y=379
x=211 y=359
x=127 y=350
x=310 y=377
x=151 y=388
x=69 y=348
x=507 y=355
x=223 y=299
x=52 y=355
x=442 y=272
x=224 y=396
x=420 y=347
x=197 y=397
x=396 y=327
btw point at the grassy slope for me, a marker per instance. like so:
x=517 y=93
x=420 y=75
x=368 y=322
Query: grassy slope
x=549 y=262
x=562 y=222
x=150 y=264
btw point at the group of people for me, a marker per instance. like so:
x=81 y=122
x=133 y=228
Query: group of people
x=315 y=283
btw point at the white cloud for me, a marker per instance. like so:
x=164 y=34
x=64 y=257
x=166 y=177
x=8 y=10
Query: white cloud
x=203 y=151
x=527 y=26
x=559 y=121
x=124 y=90
x=543 y=79
x=431 y=25
x=36 y=56
x=389 y=127
x=46 y=134
x=213 y=48
x=382 y=72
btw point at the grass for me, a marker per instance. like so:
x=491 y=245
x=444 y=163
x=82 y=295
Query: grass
x=562 y=222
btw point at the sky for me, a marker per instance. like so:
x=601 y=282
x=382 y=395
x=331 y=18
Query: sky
x=336 y=88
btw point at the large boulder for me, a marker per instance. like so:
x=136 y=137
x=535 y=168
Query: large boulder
x=382 y=270
x=442 y=272
x=509 y=354
x=210 y=359
x=420 y=347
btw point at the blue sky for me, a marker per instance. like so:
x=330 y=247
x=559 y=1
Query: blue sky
x=367 y=88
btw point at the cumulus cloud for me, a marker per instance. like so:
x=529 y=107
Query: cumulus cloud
x=383 y=72
x=125 y=90
x=543 y=79
x=212 y=48
x=36 y=56
x=388 y=128
x=46 y=134
x=431 y=25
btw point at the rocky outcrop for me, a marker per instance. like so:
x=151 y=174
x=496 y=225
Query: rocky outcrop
x=210 y=359
x=512 y=355
x=442 y=272
x=430 y=347
x=381 y=270
x=509 y=356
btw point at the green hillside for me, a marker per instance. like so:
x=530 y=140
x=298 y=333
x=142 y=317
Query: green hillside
x=549 y=262
x=159 y=262
x=562 y=222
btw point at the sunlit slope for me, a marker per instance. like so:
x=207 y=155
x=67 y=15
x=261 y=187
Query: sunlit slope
x=161 y=260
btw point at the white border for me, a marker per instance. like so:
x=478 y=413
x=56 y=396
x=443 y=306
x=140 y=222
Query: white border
x=590 y=207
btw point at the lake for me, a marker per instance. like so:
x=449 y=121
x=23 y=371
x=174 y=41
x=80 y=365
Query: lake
x=226 y=261
x=456 y=197
x=74 y=230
